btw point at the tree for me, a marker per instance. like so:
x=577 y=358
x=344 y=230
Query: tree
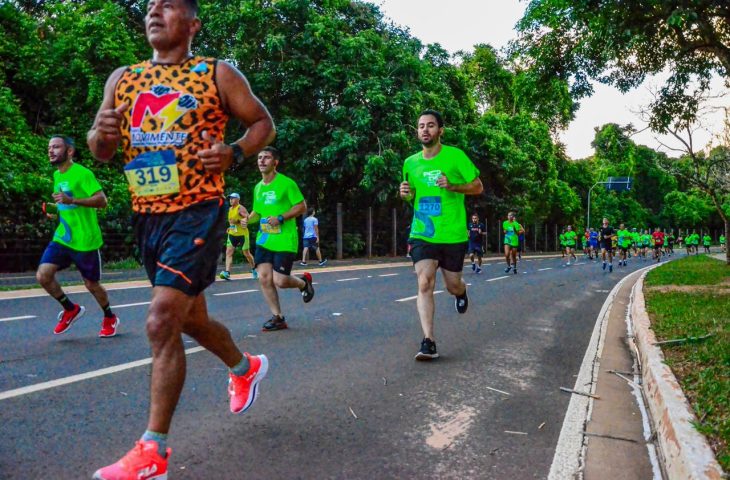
x=620 y=42
x=708 y=172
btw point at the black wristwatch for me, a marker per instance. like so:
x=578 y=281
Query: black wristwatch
x=238 y=155
x=280 y=218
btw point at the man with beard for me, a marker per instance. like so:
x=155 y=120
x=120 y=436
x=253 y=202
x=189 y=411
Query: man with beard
x=77 y=195
x=169 y=115
x=435 y=180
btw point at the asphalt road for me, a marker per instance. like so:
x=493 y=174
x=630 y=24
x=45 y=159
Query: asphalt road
x=344 y=397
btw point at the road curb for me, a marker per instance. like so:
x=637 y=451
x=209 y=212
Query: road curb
x=127 y=284
x=569 y=452
x=686 y=453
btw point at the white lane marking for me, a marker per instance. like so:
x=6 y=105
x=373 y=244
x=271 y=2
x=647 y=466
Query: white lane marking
x=131 y=305
x=416 y=296
x=82 y=376
x=498 y=278
x=389 y=275
x=22 y=317
x=234 y=293
x=543 y=269
x=348 y=279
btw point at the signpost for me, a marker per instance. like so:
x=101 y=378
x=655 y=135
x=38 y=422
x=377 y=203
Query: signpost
x=616 y=184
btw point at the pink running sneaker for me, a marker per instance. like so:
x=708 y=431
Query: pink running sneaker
x=243 y=390
x=109 y=326
x=140 y=463
x=66 y=318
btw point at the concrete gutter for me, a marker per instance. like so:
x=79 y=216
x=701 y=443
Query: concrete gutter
x=686 y=453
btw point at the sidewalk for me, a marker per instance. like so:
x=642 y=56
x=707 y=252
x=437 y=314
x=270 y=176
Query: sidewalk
x=618 y=439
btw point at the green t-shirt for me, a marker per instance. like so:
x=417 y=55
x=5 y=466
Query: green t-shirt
x=635 y=237
x=646 y=240
x=78 y=228
x=562 y=239
x=722 y=239
x=439 y=215
x=273 y=200
x=695 y=237
x=707 y=240
x=624 y=238
x=570 y=238
x=511 y=233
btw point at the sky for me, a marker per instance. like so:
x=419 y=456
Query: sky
x=460 y=24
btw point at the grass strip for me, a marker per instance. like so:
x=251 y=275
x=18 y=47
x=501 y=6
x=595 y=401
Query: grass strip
x=702 y=368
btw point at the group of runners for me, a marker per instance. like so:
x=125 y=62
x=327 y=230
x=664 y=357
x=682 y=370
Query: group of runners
x=168 y=116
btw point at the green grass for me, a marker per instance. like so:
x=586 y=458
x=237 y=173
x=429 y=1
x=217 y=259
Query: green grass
x=128 y=263
x=694 y=270
x=702 y=368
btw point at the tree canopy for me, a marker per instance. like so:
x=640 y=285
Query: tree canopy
x=345 y=87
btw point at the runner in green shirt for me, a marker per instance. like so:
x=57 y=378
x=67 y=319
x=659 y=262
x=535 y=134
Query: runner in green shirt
x=512 y=231
x=277 y=202
x=435 y=181
x=645 y=243
x=77 y=196
x=624 y=243
x=570 y=238
x=722 y=243
x=707 y=242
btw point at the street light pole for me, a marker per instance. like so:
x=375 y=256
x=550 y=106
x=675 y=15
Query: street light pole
x=590 y=190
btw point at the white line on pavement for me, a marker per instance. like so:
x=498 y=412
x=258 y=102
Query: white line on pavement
x=22 y=317
x=543 y=269
x=131 y=305
x=389 y=275
x=348 y=279
x=234 y=293
x=498 y=278
x=416 y=296
x=82 y=376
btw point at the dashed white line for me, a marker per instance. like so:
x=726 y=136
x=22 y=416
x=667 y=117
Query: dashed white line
x=348 y=279
x=82 y=376
x=543 y=269
x=234 y=293
x=131 y=305
x=22 y=317
x=416 y=296
x=498 y=278
x=389 y=275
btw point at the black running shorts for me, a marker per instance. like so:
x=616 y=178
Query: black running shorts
x=282 y=262
x=181 y=249
x=450 y=256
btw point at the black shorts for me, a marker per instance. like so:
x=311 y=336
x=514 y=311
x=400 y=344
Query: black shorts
x=476 y=249
x=310 y=243
x=180 y=250
x=237 y=241
x=624 y=249
x=450 y=256
x=88 y=263
x=281 y=261
x=607 y=246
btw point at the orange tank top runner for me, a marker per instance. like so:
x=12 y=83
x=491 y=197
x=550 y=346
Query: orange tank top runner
x=170 y=108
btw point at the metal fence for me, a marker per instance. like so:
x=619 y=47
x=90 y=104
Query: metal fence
x=346 y=231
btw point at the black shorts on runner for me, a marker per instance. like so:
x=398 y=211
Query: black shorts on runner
x=88 y=263
x=181 y=249
x=450 y=256
x=281 y=261
x=237 y=241
x=475 y=249
x=624 y=249
x=607 y=246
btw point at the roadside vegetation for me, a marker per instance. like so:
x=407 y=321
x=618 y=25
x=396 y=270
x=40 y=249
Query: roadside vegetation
x=690 y=299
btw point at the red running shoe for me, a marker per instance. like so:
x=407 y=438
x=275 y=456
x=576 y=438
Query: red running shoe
x=109 y=326
x=140 y=463
x=66 y=318
x=243 y=389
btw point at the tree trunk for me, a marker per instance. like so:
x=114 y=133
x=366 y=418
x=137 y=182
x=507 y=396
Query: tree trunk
x=727 y=233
